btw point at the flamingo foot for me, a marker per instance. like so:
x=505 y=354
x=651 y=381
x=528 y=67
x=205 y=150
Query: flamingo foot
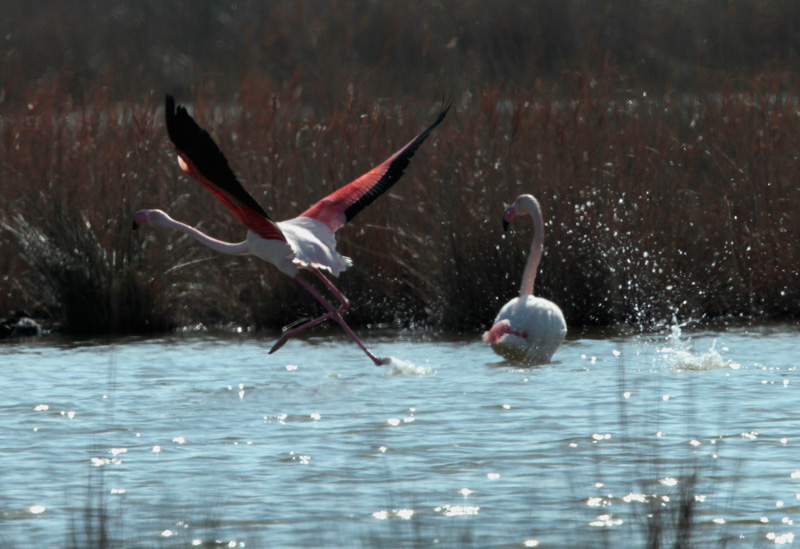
x=278 y=344
x=381 y=361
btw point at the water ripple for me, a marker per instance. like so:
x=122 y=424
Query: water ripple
x=315 y=446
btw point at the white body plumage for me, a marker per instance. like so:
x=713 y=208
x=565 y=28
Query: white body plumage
x=528 y=329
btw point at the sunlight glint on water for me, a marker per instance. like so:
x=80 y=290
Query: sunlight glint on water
x=210 y=438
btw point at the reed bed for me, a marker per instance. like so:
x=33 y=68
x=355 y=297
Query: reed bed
x=656 y=206
x=665 y=160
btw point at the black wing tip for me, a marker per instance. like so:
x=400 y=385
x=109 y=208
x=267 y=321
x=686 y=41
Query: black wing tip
x=169 y=110
x=172 y=114
x=183 y=131
x=427 y=131
x=191 y=140
x=172 y=107
x=396 y=168
x=445 y=108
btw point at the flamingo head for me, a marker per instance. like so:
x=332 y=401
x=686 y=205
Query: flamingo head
x=502 y=328
x=156 y=218
x=508 y=215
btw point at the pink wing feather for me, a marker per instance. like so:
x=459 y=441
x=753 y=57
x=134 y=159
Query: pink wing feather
x=339 y=207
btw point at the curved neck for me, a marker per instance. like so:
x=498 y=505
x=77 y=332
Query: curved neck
x=231 y=248
x=535 y=256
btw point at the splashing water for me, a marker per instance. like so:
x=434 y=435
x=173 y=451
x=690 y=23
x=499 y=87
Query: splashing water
x=400 y=367
x=710 y=360
x=683 y=358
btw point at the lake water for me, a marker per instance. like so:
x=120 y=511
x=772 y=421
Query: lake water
x=206 y=440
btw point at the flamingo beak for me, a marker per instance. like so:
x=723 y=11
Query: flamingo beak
x=508 y=215
x=139 y=219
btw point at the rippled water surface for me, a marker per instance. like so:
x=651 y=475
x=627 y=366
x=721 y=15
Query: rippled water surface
x=207 y=439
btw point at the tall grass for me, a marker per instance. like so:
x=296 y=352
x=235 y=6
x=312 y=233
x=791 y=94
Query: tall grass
x=68 y=172
x=656 y=206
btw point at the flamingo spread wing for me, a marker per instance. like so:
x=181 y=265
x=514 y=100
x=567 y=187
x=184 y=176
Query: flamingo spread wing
x=201 y=158
x=339 y=207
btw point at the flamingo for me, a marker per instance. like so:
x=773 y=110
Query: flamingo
x=304 y=243
x=528 y=328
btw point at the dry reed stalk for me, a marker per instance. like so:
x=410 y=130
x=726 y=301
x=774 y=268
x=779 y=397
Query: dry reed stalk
x=655 y=206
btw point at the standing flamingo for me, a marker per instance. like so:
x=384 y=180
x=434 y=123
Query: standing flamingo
x=306 y=242
x=528 y=328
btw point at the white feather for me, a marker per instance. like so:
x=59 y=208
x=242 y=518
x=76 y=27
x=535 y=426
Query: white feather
x=314 y=244
x=533 y=330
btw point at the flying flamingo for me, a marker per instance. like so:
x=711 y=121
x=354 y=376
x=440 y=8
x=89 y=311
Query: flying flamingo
x=528 y=328
x=306 y=242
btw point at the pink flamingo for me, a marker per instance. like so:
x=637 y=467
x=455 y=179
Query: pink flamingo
x=306 y=242
x=528 y=328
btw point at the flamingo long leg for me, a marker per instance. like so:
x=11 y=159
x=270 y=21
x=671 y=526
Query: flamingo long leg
x=335 y=291
x=291 y=331
x=294 y=331
x=333 y=312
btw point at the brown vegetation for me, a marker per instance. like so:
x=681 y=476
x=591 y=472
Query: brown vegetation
x=658 y=202
x=386 y=49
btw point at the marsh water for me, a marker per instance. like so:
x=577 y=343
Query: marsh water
x=203 y=439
